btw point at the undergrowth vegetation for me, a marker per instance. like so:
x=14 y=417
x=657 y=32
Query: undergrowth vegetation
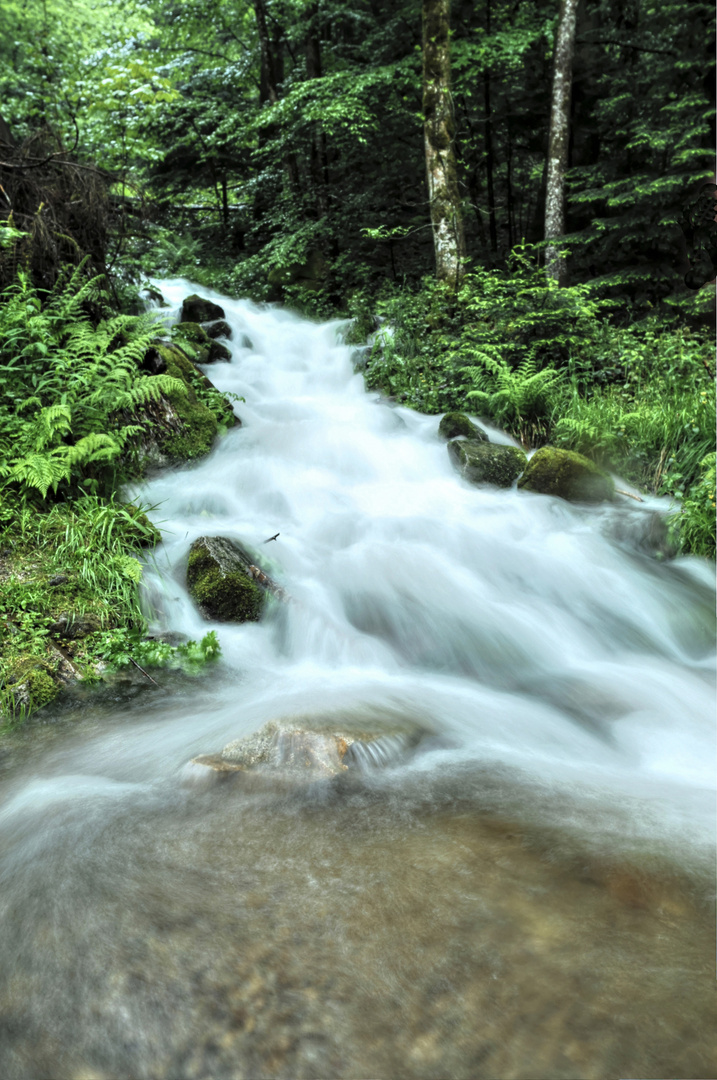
x=71 y=552
x=559 y=366
x=67 y=380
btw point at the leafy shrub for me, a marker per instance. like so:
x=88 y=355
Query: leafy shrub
x=65 y=383
x=697 y=519
x=122 y=646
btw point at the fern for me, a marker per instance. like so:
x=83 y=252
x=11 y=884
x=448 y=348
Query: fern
x=523 y=399
x=65 y=383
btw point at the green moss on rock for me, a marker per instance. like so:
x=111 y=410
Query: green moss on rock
x=30 y=684
x=218 y=581
x=454 y=424
x=193 y=332
x=198 y=426
x=487 y=463
x=568 y=475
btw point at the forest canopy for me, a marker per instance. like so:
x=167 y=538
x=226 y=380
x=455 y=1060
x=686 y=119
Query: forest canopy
x=285 y=137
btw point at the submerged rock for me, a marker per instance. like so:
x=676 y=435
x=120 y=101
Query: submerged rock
x=225 y=581
x=217 y=351
x=197 y=309
x=568 y=475
x=218 y=329
x=457 y=423
x=487 y=463
x=314 y=747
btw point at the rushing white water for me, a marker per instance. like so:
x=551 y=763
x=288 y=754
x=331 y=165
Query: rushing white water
x=151 y=927
x=513 y=622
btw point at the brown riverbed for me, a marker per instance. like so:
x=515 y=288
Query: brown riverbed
x=368 y=931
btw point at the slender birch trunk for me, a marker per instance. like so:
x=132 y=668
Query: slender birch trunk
x=438 y=129
x=559 y=137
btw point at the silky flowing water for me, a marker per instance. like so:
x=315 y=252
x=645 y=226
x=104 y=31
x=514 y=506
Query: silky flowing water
x=528 y=895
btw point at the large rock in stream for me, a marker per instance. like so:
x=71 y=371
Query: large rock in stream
x=225 y=581
x=197 y=309
x=302 y=749
x=568 y=475
x=454 y=424
x=486 y=462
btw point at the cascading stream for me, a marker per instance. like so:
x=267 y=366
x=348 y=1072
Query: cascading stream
x=569 y=680
x=512 y=620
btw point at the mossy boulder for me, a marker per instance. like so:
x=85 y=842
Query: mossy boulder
x=30 y=684
x=487 y=463
x=193 y=332
x=196 y=309
x=454 y=424
x=179 y=426
x=193 y=340
x=568 y=475
x=220 y=580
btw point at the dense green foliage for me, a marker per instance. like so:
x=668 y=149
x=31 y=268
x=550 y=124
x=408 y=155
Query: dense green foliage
x=72 y=387
x=67 y=384
x=294 y=150
x=547 y=365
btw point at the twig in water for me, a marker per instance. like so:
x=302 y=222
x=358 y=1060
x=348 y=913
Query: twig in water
x=629 y=496
x=143 y=671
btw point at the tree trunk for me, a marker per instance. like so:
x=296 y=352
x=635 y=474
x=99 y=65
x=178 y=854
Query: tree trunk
x=559 y=137
x=269 y=74
x=5 y=134
x=318 y=155
x=438 y=130
x=488 y=139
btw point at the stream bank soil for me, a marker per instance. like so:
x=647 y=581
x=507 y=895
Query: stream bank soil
x=229 y=932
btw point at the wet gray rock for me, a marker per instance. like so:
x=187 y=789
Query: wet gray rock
x=487 y=463
x=217 y=351
x=307 y=748
x=454 y=424
x=218 y=329
x=71 y=625
x=197 y=309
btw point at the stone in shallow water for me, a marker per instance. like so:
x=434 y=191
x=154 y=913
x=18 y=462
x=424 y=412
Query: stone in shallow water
x=568 y=475
x=454 y=424
x=309 y=748
x=225 y=582
x=487 y=463
x=198 y=309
